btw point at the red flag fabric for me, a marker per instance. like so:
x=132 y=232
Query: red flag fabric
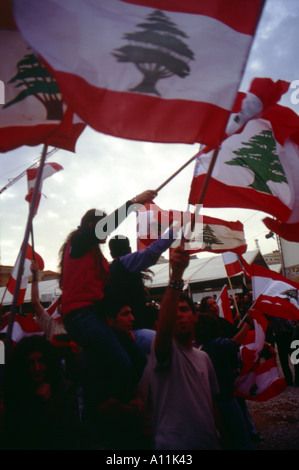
x=272 y=292
x=263 y=93
x=48 y=170
x=22 y=327
x=26 y=273
x=168 y=71
x=224 y=305
x=257 y=169
x=209 y=234
x=33 y=112
x=259 y=378
x=231 y=263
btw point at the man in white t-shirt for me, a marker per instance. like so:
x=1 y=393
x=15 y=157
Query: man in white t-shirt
x=183 y=380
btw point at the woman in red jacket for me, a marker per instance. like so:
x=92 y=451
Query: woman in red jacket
x=84 y=274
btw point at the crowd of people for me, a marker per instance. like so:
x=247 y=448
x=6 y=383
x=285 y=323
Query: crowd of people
x=119 y=373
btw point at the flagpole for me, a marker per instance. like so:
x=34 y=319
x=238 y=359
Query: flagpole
x=23 y=251
x=203 y=189
x=179 y=170
x=235 y=303
x=34 y=275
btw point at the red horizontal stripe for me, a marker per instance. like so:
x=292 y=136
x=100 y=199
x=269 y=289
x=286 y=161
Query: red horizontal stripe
x=278 y=307
x=219 y=194
x=239 y=15
x=236 y=226
x=143 y=117
x=15 y=136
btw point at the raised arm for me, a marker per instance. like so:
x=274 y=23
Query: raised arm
x=179 y=260
x=248 y=325
x=109 y=223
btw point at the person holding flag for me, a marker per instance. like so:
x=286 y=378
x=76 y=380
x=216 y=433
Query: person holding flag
x=223 y=353
x=84 y=275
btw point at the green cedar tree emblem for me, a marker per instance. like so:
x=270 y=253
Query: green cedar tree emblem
x=35 y=80
x=157 y=51
x=259 y=155
x=209 y=237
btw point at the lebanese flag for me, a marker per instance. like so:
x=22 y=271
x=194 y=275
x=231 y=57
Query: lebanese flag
x=33 y=112
x=48 y=170
x=256 y=169
x=224 y=305
x=259 y=378
x=171 y=68
x=11 y=285
x=153 y=222
x=231 y=263
x=22 y=327
x=262 y=383
x=209 y=233
x=274 y=294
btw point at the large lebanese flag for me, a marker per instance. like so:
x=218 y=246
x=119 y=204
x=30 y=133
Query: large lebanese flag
x=153 y=70
x=209 y=233
x=33 y=111
x=257 y=169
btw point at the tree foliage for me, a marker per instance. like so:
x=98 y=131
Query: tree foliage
x=259 y=155
x=158 y=52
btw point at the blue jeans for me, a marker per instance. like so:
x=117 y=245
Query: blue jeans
x=234 y=423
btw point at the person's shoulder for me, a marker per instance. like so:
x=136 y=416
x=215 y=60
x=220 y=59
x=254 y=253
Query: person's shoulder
x=200 y=353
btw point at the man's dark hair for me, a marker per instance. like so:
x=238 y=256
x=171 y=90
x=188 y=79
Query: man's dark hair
x=119 y=246
x=186 y=298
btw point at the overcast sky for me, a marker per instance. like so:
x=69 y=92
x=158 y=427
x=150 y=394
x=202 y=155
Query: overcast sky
x=106 y=171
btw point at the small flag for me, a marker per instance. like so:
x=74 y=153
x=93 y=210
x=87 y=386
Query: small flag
x=26 y=273
x=49 y=170
x=224 y=305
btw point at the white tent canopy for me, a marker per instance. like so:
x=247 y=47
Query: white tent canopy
x=199 y=270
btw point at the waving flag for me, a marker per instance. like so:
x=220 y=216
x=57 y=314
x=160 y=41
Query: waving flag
x=33 y=111
x=231 y=263
x=273 y=293
x=48 y=170
x=11 y=285
x=209 y=234
x=27 y=325
x=152 y=70
x=23 y=327
x=259 y=378
x=224 y=305
x=263 y=93
x=256 y=169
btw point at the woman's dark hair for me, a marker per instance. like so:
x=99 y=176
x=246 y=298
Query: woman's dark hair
x=89 y=217
x=203 y=304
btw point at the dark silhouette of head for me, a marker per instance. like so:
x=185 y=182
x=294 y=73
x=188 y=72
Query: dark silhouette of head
x=119 y=246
